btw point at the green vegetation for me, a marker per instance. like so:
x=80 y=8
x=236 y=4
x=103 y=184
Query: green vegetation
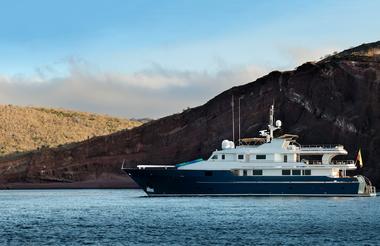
x=28 y=128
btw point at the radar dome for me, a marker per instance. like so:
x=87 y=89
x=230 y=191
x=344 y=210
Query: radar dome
x=232 y=145
x=226 y=144
x=278 y=123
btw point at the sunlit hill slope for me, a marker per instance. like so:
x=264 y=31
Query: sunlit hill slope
x=29 y=128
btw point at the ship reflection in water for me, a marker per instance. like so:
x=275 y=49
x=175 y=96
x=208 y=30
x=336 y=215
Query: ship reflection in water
x=126 y=217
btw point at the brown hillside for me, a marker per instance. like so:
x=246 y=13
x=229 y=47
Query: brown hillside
x=332 y=101
x=29 y=128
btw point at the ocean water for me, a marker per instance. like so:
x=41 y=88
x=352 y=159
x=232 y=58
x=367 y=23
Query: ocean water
x=126 y=217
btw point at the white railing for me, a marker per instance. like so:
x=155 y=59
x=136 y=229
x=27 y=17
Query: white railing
x=293 y=147
x=321 y=146
x=343 y=162
x=312 y=162
x=335 y=162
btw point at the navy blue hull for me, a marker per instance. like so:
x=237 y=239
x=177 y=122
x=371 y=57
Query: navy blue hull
x=193 y=182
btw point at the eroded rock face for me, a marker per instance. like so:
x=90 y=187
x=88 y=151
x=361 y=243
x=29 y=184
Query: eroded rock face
x=334 y=101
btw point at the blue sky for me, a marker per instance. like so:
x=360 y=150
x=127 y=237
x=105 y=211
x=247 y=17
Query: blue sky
x=153 y=58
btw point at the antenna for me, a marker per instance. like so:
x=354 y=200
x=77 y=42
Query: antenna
x=241 y=97
x=271 y=120
x=272 y=127
x=271 y=115
x=264 y=133
x=233 y=119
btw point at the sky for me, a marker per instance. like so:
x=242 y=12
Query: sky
x=146 y=58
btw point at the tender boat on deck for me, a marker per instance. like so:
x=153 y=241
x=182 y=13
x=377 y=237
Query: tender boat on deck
x=269 y=166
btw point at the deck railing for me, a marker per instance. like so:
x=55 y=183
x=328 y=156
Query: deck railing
x=321 y=146
x=312 y=162
x=343 y=162
x=335 y=162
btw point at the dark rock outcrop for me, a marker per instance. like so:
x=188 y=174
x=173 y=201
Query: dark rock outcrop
x=336 y=100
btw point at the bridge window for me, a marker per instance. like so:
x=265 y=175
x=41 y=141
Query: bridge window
x=214 y=157
x=223 y=157
x=261 y=157
x=286 y=172
x=306 y=172
x=296 y=172
x=257 y=172
x=240 y=157
x=285 y=158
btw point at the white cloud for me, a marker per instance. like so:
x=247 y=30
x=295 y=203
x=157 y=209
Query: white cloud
x=153 y=92
x=299 y=55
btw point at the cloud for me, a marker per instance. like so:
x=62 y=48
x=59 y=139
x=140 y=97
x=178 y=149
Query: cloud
x=153 y=92
x=299 y=55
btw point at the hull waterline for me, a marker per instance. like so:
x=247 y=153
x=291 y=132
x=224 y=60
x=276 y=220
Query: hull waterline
x=173 y=182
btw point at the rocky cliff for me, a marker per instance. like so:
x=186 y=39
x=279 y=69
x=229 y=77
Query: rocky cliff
x=336 y=100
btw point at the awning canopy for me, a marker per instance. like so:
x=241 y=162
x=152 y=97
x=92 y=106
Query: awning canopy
x=289 y=136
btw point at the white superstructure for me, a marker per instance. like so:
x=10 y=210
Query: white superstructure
x=270 y=156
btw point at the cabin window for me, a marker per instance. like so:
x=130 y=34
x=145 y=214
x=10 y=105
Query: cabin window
x=257 y=172
x=306 y=172
x=286 y=172
x=285 y=158
x=208 y=173
x=245 y=172
x=240 y=157
x=223 y=157
x=296 y=172
x=261 y=157
x=214 y=157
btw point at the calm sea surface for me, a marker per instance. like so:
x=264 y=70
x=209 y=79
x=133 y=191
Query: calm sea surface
x=126 y=217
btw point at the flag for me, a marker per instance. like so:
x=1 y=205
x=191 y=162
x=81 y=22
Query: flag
x=359 y=158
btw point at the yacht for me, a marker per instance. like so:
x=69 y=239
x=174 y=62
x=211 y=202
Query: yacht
x=263 y=166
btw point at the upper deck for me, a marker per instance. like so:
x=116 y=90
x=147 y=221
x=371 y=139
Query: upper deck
x=318 y=149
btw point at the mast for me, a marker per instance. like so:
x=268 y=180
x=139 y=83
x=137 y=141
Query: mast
x=264 y=133
x=239 y=119
x=241 y=97
x=233 y=119
x=271 y=115
x=271 y=121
